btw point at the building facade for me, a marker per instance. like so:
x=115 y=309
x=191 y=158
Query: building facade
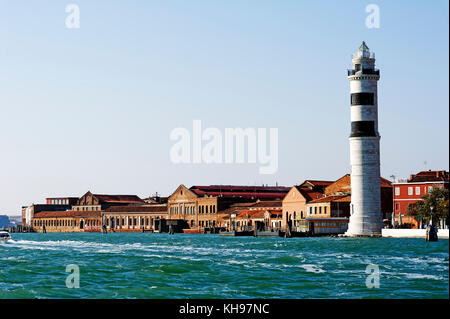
x=408 y=192
x=204 y=206
x=28 y=212
x=67 y=221
x=337 y=206
x=294 y=204
x=135 y=218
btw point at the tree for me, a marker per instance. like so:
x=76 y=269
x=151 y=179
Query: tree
x=438 y=198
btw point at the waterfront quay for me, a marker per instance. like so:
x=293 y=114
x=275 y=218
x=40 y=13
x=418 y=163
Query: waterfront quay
x=312 y=208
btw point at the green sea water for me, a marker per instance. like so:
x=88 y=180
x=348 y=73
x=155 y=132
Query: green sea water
x=210 y=266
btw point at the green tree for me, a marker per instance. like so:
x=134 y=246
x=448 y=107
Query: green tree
x=437 y=199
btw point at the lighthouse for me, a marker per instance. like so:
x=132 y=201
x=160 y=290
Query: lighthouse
x=365 y=206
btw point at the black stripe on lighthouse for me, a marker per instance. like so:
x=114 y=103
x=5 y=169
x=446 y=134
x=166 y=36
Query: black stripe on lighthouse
x=362 y=99
x=363 y=128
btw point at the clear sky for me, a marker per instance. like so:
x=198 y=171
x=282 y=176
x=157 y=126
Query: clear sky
x=92 y=108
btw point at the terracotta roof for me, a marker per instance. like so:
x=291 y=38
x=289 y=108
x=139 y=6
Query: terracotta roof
x=318 y=183
x=118 y=198
x=336 y=198
x=343 y=184
x=268 y=203
x=249 y=192
x=236 y=208
x=309 y=194
x=251 y=214
x=275 y=213
x=69 y=213
x=243 y=204
x=137 y=209
x=430 y=176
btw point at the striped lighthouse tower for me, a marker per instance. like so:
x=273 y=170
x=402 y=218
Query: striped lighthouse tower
x=365 y=207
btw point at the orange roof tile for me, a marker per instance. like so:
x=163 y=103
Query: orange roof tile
x=335 y=198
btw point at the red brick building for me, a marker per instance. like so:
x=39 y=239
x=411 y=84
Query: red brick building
x=407 y=192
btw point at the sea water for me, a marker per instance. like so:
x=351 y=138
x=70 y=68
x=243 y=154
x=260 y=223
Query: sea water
x=144 y=265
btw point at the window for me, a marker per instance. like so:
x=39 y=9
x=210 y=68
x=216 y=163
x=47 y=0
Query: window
x=397 y=191
x=417 y=190
x=430 y=188
x=325 y=210
x=320 y=210
x=397 y=206
x=315 y=210
x=410 y=190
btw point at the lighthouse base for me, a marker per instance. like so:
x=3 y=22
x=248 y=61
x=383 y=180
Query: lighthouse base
x=354 y=235
x=367 y=225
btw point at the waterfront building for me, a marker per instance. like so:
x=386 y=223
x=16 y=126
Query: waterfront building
x=227 y=218
x=294 y=203
x=248 y=219
x=273 y=218
x=261 y=219
x=407 y=192
x=28 y=212
x=135 y=218
x=67 y=221
x=329 y=207
x=100 y=202
x=198 y=207
x=85 y=215
x=365 y=207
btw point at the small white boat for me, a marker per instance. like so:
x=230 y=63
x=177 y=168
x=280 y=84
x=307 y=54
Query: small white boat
x=4 y=236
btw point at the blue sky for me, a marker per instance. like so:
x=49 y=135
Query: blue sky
x=92 y=108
